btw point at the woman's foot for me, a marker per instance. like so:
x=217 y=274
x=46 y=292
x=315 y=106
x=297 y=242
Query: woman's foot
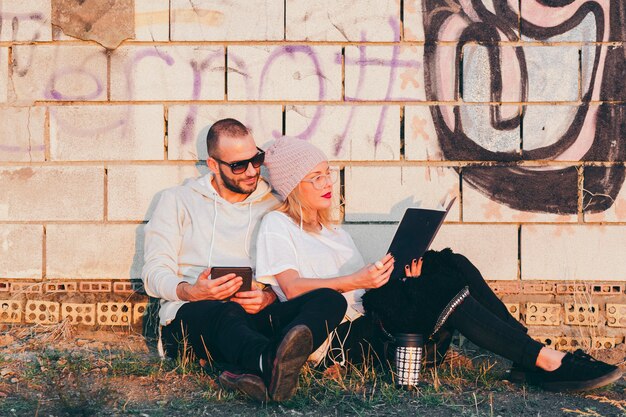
x=578 y=372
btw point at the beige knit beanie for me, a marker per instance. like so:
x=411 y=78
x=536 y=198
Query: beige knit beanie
x=288 y=160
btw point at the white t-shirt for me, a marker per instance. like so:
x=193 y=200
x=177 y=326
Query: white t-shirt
x=282 y=245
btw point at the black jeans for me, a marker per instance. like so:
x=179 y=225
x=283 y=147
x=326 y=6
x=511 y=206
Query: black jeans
x=481 y=317
x=236 y=339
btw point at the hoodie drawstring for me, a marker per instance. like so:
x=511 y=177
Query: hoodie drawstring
x=213 y=232
x=247 y=241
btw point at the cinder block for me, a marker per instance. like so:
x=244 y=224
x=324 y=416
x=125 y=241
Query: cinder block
x=514 y=310
x=114 y=314
x=616 y=315
x=11 y=311
x=291 y=72
x=343 y=20
x=4 y=74
x=134 y=190
x=97 y=286
x=188 y=126
x=549 y=341
x=572 y=288
x=382 y=193
x=79 y=313
x=600 y=342
x=64 y=73
x=504 y=287
x=581 y=314
x=348 y=132
x=109 y=251
x=573 y=343
x=167 y=73
x=152 y=20
x=4 y=286
x=420 y=137
x=546 y=124
x=97 y=133
x=607 y=288
x=224 y=20
x=543 y=314
x=573 y=252
x=384 y=73
x=56 y=287
x=414 y=21
x=16 y=240
x=599 y=202
x=77 y=190
x=123 y=287
x=25 y=21
x=26 y=288
x=538 y=287
x=41 y=312
x=477 y=71
x=553 y=82
x=22 y=133
x=139 y=310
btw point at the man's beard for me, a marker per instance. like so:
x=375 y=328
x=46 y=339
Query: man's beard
x=233 y=185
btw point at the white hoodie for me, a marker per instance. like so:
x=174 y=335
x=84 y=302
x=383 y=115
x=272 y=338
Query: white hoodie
x=193 y=228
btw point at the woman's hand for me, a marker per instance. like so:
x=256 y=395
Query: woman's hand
x=414 y=270
x=374 y=275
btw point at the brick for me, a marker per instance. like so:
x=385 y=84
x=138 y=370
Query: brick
x=41 y=312
x=113 y=314
x=601 y=201
x=79 y=313
x=495 y=257
x=4 y=74
x=224 y=20
x=167 y=73
x=413 y=21
x=292 y=72
x=60 y=287
x=95 y=287
x=398 y=189
x=22 y=133
x=616 y=315
x=97 y=133
x=134 y=190
x=4 y=286
x=26 y=288
x=514 y=310
x=549 y=341
x=586 y=314
x=64 y=73
x=11 y=311
x=94 y=251
x=25 y=21
x=538 y=287
x=600 y=342
x=139 y=311
x=572 y=252
x=17 y=240
x=607 y=288
x=476 y=81
x=123 y=287
x=152 y=20
x=572 y=288
x=51 y=193
x=188 y=126
x=384 y=73
x=550 y=82
x=348 y=132
x=420 y=136
x=543 y=314
x=343 y=20
x=546 y=124
x=573 y=343
x=504 y=287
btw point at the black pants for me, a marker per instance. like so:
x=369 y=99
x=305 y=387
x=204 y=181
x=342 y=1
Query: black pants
x=236 y=339
x=481 y=317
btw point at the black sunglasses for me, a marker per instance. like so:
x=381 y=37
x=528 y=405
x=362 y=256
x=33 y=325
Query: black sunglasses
x=239 y=167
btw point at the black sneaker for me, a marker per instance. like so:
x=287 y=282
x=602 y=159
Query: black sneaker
x=290 y=356
x=250 y=385
x=579 y=372
x=519 y=375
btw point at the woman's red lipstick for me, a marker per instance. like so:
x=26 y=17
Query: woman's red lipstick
x=328 y=195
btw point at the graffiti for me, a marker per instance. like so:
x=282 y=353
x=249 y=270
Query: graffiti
x=594 y=130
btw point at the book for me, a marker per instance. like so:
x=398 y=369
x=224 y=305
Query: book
x=415 y=233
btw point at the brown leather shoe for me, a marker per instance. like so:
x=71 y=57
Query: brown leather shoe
x=250 y=385
x=291 y=354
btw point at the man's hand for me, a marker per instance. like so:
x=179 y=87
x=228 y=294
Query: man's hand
x=209 y=289
x=255 y=300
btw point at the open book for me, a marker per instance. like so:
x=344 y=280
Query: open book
x=415 y=233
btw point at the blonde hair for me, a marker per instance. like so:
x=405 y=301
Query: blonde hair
x=296 y=209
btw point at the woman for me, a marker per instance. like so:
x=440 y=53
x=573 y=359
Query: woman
x=299 y=250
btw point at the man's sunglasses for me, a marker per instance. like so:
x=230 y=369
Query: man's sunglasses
x=239 y=167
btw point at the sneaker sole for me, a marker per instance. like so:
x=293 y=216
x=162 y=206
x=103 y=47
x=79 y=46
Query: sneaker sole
x=250 y=385
x=291 y=355
x=583 y=385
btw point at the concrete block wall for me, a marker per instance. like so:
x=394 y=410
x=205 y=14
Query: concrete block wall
x=516 y=108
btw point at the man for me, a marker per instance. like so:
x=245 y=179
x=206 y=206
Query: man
x=212 y=221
